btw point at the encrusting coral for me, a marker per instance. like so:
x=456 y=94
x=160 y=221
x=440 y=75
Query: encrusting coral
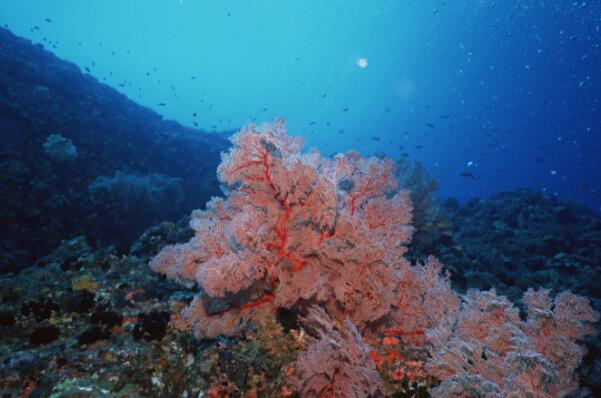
x=327 y=238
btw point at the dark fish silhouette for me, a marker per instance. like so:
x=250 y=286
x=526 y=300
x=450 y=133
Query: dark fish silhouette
x=162 y=104
x=375 y=138
x=344 y=109
x=48 y=20
x=467 y=174
x=430 y=125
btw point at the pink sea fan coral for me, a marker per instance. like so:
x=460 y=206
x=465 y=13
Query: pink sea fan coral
x=294 y=228
x=537 y=357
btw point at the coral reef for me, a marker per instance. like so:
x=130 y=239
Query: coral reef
x=116 y=330
x=60 y=148
x=298 y=282
x=134 y=200
x=514 y=240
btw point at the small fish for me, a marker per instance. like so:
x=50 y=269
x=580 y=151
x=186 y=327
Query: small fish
x=340 y=131
x=87 y=69
x=162 y=104
x=323 y=96
x=265 y=109
x=430 y=125
x=49 y=20
x=375 y=138
x=311 y=123
x=467 y=174
x=194 y=114
x=418 y=146
x=344 y=109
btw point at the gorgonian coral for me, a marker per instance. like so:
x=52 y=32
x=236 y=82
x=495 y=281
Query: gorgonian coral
x=327 y=237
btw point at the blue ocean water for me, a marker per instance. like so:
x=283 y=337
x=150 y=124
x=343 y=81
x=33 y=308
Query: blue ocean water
x=488 y=95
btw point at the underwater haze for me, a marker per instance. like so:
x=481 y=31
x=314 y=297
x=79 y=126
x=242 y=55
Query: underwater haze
x=488 y=95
